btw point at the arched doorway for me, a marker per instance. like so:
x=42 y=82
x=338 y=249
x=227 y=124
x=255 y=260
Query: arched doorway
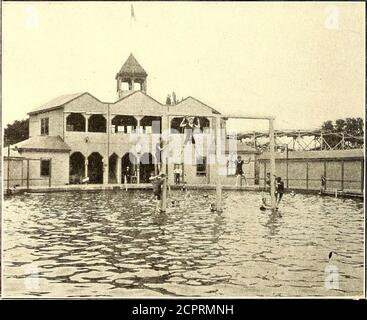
x=112 y=168
x=76 y=167
x=128 y=166
x=95 y=168
x=147 y=164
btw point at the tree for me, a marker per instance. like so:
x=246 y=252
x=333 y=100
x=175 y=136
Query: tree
x=174 y=98
x=171 y=99
x=351 y=128
x=16 y=132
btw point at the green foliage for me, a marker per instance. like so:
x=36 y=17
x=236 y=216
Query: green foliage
x=16 y=132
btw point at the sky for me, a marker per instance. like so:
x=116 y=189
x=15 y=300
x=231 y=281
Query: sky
x=303 y=63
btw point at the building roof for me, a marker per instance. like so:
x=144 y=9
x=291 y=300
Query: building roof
x=56 y=103
x=193 y=106
x=132 y=67
x=43 y=143
x=12 y=154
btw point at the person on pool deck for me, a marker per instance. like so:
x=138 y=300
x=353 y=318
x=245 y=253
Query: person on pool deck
x=126 y=174
x=323 y=185
x=279 y=189
x=239 y=171
x=177 y=174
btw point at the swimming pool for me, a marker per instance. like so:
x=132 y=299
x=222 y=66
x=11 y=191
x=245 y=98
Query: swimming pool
x=113 y=243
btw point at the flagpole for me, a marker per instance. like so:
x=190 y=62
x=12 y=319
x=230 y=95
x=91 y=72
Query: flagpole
x=131 y=27
x=132 y=17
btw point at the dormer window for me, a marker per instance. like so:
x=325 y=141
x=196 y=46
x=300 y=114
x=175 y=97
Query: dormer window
x=44 y=126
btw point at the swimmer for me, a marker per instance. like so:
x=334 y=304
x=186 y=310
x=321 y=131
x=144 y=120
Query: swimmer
x=213 y=207
x=175 y=203
x=292 y=193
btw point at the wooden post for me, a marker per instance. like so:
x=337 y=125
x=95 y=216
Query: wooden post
x=272 y=163
x=27 y=174
x=325 y=174
x=306 y=175
x=342 y=175
x=265 y=175
x=255 y=146
x=22 y=173
x=217 y=164
x=321 y=141
x=287 y=175
x=50 y=173
x=8 y=171
x=164 y=168
x=362 y=175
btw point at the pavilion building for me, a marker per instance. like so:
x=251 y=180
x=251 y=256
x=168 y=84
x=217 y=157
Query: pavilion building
x=77 y=136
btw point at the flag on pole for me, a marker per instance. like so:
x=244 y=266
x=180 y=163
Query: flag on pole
x=132 y=12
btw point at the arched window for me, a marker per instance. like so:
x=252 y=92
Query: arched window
x=124 y=124
x=151 y=124
x=75 y=122
x=97 y=123
x=137 y=86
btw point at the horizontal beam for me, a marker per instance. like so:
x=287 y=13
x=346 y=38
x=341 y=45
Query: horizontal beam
x=225 y=116
x=188 y=115
x=235 y=116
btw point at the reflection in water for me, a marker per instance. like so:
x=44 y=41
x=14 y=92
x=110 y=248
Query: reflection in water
x=115 y=244
x=272 y=222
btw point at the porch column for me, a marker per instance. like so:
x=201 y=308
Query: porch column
x=105 y=169
x=86 y=168
x=66 y=114
x=138 y=118
x=86 y=121
x=138 y=169
x=118 y=169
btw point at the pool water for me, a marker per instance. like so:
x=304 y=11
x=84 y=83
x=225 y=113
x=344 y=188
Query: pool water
x=114 y=244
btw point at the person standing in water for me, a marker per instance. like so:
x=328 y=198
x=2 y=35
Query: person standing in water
x=157 y=182
x=267 y=182
x=279 y=191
